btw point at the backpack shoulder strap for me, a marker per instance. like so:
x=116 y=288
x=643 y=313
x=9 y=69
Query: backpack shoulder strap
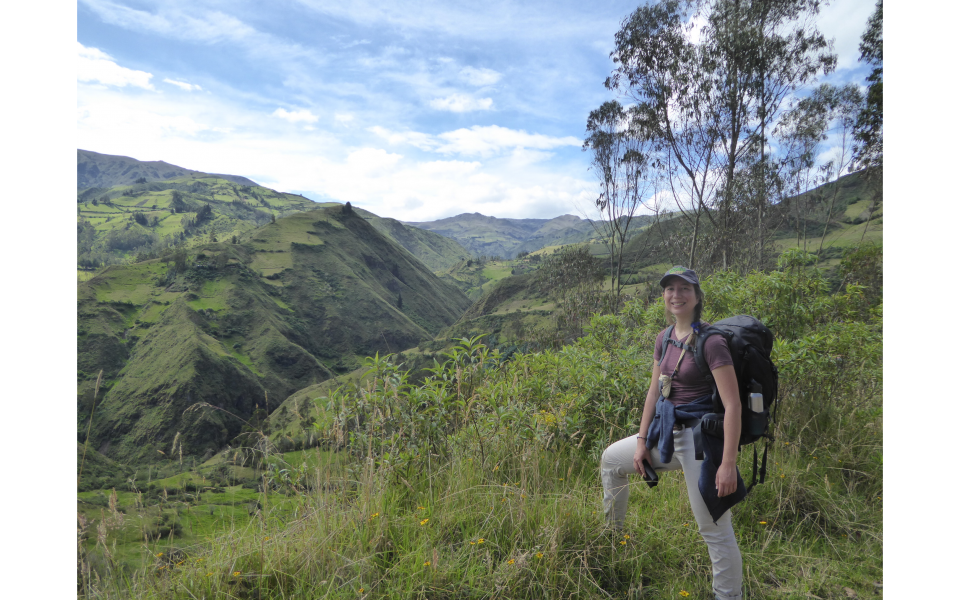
x=666 y=342
x=700 y=356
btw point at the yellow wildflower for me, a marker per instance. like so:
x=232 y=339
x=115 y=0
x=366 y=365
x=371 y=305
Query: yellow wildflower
x=623 y=543
x=373 y=516
x=421 y=508
x=159 y=554
x=236 y=573
x=424 y=522
x=539 y=554
x=684 y=593
x=426 y=564
x=626 y=537
x=360 y=591
x=480 y=541
x=510 y=562
x=497 y=468
x=763 y=522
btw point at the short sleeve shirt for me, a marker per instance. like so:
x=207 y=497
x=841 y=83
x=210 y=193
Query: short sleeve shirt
x=688 y=383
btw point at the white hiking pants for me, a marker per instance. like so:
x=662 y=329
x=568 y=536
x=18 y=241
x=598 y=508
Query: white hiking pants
x=617 y=464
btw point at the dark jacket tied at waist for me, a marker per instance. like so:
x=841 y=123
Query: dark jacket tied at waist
x=661 y=434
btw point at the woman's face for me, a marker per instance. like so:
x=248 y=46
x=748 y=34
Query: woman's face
x=680 y=298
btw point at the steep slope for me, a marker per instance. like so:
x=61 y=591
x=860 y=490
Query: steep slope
x=116 y=225
x=108 y=170
x=191 y=353
x=434 y=250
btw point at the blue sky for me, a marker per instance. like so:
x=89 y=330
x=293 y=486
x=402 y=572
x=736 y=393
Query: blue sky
x=413 y=110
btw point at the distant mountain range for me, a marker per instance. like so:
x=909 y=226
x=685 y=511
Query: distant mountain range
x=492 y=236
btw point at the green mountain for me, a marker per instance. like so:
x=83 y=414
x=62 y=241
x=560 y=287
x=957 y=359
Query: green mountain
x=95 y=170
x=491 y=236
x=198 y=345
x=438 y=252
x=119 y=219
x=123 y=222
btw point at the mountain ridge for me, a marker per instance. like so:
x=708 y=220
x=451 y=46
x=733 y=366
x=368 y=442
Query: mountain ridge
x=194 y=347
x=507 y=237
x=98 y=170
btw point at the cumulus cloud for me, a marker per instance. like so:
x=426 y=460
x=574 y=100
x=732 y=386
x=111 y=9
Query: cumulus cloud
x=491 y=139
x=96 y=66
x=481 y=141
x=296 y=116
x=480 y=77
x=461 y=103
x=183 y=85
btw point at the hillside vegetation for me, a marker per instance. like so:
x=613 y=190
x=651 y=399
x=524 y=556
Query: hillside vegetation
x=506 y=238
x=140 y=220
x=482 y=481
x=196 y=345
x=96 y=170
x=131 y=210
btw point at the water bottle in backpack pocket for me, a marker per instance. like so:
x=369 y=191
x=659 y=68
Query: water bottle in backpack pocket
x=757 y=416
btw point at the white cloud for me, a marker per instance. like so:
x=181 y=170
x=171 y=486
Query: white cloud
x=845 y=23
x=343 y=117
x=480 y=77
x=482 y=141
x=416 y=139
x=296 y=116
x=461 y=103
x=94 y=65
x=183 y=85
x=492 y=139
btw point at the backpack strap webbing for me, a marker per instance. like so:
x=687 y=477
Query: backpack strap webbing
x=666 y=342
x=763 y=467
x=698 y=441
x=700 y=356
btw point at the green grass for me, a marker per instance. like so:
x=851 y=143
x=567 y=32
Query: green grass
x=529 y=525
x=508 y=503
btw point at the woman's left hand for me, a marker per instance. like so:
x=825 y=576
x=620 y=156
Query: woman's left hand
x=726 y=479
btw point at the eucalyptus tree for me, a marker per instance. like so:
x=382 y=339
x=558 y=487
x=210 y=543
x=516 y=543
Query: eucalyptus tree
x=869 y=127
x=708 y=78
x=829 y=113
x=620 y=159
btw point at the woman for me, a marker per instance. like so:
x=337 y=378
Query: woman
x=673 y=406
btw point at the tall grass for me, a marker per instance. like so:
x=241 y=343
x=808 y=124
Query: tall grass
x=482 y=482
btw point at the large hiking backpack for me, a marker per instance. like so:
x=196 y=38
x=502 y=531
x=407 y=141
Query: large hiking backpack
x=750 y=343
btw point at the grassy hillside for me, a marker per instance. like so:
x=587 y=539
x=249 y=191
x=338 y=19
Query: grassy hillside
x=439 y=253
x=119 y=224
x=506 y=238
x=239 y=327
x=482 y=482
x=96 y=170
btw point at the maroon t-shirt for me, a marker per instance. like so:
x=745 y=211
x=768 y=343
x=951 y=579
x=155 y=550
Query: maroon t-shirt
x=688 y=384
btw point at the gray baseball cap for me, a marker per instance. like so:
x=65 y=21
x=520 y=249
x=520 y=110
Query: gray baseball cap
x=688 y=275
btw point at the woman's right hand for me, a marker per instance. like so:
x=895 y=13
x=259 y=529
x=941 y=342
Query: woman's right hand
x=638 y=457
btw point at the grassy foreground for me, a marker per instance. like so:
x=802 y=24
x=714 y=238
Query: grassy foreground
x=483 y=481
